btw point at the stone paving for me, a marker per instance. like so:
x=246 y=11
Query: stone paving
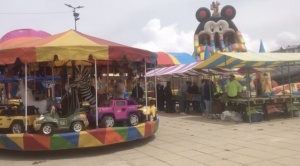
x=189 y=140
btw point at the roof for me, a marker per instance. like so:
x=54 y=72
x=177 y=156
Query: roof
x=238 y=60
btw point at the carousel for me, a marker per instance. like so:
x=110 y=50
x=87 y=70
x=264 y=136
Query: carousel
x=69 y=90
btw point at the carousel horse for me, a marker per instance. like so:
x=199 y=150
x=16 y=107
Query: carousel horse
x=42 y=105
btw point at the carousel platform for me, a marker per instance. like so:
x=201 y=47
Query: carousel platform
x=72 y=140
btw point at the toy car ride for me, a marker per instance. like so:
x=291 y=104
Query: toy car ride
x=48 y=122
x=148 y=113
x=123 y=110
x=12 y=117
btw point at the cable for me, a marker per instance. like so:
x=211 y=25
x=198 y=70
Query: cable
x=39 y=13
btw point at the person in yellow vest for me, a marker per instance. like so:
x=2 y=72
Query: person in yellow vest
x=233 y=87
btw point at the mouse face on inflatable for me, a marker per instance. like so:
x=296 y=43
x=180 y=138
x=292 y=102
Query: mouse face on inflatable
x=218 y=32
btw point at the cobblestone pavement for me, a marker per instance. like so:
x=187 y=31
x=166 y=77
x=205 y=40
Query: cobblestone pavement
x=189 y=140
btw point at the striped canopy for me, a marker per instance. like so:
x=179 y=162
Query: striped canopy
x=238 y=60
x=173 y=58
x=178 y=70
x=72 y=45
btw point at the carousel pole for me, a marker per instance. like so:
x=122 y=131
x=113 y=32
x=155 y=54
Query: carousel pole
x=96 y=93
x=26 y=118
x=52 y=88
x=107 y=79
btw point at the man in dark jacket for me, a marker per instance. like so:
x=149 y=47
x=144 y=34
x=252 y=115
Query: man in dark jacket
x=168 y=96
x=137 y=92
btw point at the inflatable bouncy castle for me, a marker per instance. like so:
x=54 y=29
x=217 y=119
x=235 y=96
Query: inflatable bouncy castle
x=217 y=31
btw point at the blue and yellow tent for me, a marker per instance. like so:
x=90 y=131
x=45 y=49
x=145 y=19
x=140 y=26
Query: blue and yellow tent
x=238 y=60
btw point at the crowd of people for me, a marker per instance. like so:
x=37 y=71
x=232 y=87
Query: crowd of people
x=191 y=95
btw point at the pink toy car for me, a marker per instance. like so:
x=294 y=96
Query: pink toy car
x=123 y=110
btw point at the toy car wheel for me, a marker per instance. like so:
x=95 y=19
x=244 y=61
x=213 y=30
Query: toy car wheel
x=133 y=119
x=77 y=126
x=47 y=129
x=17 y=127
x=108 y=121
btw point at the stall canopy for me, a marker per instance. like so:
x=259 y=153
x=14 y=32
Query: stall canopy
x=178 y=70
x=173 y=58
x=72 y=45
x=238 y=60
x=186 y=70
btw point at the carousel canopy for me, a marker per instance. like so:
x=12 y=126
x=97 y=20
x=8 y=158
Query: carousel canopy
x=72 y=45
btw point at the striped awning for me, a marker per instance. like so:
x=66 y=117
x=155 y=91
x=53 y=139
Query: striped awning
x=239 y=60
x=179 y=70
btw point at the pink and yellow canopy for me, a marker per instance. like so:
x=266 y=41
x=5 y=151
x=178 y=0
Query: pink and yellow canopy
x=71 y=45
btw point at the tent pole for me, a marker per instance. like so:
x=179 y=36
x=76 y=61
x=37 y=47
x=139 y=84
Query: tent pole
x=146 y=87
x=282 y=82
x=26 y=118
x=211 y=97
x=248 y=96
x=96 y=93
x=155 y=82
x=291 y=100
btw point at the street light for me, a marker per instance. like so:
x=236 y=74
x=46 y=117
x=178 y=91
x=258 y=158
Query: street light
x=76 y=15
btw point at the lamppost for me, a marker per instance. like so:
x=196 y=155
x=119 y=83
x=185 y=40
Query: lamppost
x=76 y=15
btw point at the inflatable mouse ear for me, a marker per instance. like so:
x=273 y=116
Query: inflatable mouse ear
x=202 y=14
x=228 y=12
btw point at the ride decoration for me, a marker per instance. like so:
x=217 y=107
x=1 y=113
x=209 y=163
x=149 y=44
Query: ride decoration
x=217 y=31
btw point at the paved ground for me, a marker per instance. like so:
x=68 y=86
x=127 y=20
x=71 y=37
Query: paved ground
x=189 y=140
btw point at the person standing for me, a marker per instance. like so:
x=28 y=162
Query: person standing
x=196 y=97
x=137 y=92
x=189 y=98
x=160 y=97
x=168 y=97
x=208 y=92
x=182 y=95
x=233 y=87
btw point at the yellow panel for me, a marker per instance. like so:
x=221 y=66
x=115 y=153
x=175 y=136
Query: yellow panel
x=17 y=138
x=87 y=140
x=175 y=61
x=141 y=128
x=44 y=54
x=71 y=38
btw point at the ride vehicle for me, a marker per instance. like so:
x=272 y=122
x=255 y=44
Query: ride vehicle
x=119 y=110
x=12 y=118
x=47 y=123
x=148 y=113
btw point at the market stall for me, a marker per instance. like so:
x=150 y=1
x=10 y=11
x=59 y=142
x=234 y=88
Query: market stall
x=248 y=61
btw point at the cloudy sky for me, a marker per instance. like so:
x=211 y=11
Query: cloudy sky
x=155 y=25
